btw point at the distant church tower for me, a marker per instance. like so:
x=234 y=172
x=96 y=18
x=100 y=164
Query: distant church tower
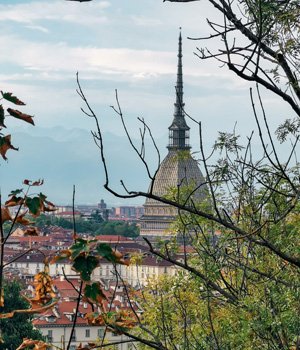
x=177 y=169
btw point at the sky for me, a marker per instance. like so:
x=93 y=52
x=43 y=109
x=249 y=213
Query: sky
x=127 y=45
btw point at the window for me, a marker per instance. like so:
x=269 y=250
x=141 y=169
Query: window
x=73 y=336
x=50 y=336
x=87 y=333
x=100 y=332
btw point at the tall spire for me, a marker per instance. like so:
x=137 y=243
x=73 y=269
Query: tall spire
x=179 y=84
x=178 y=130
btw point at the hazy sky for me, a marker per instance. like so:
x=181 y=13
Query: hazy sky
x=126 y=45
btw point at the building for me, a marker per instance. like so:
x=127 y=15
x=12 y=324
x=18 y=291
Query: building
x=177 y=171
x=56 y=323
x=25 y=263
x=102 y=205
x=129 y=212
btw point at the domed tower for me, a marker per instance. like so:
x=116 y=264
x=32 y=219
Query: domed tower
x=178 y=169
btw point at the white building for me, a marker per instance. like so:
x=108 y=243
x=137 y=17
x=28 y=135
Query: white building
x=56 y=324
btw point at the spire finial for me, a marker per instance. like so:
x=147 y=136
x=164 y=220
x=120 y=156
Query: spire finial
x=179 y=131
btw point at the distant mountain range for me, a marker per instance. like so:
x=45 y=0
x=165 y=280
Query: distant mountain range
x=64 y=158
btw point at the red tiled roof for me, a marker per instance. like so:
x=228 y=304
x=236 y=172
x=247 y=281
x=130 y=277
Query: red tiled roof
x=67 y=307
x=30 y=239
x=113 y=238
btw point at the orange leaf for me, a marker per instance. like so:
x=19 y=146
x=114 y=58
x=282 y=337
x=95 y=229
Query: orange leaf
x=19 y=115
x=34 y=310
x=63 y=254
x=11 y=98
x=22 y=220
x=84 y=347
x=124 y=262
x=5 y=145
x=7 y=315
x=14 y=201
x=5 y=215
x=33 y=183
x=47 y=209
x=117 y=254
x=38 y=344
x=94 y=319
x=31 y=231
x=44 y=291
x=38 y=183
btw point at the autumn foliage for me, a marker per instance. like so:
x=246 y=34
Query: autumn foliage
x=5 y=140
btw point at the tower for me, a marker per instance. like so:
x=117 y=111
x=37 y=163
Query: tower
x=178 y=169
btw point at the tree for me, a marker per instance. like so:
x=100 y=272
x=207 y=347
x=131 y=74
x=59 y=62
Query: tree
x=13 y=330
x=82 y=225
x=96 y=217
x=244 y=267
x=118 y=228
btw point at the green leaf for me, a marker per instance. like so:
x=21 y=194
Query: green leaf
x=33 y=204
x=42 y=196
x=94 y=292
x=2 y=117
x=110 y=314
x=85 y=266
x=80 y=246
x=11 y=98
x=16 y=192
x=106 y=251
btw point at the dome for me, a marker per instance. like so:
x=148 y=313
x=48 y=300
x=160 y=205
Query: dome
x=178 y=168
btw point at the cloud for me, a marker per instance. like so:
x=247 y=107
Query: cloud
x=60 y=57
x=39 y=28
x=145 y=21
x=96 y=58
x=57 y=61
x=32 y=12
